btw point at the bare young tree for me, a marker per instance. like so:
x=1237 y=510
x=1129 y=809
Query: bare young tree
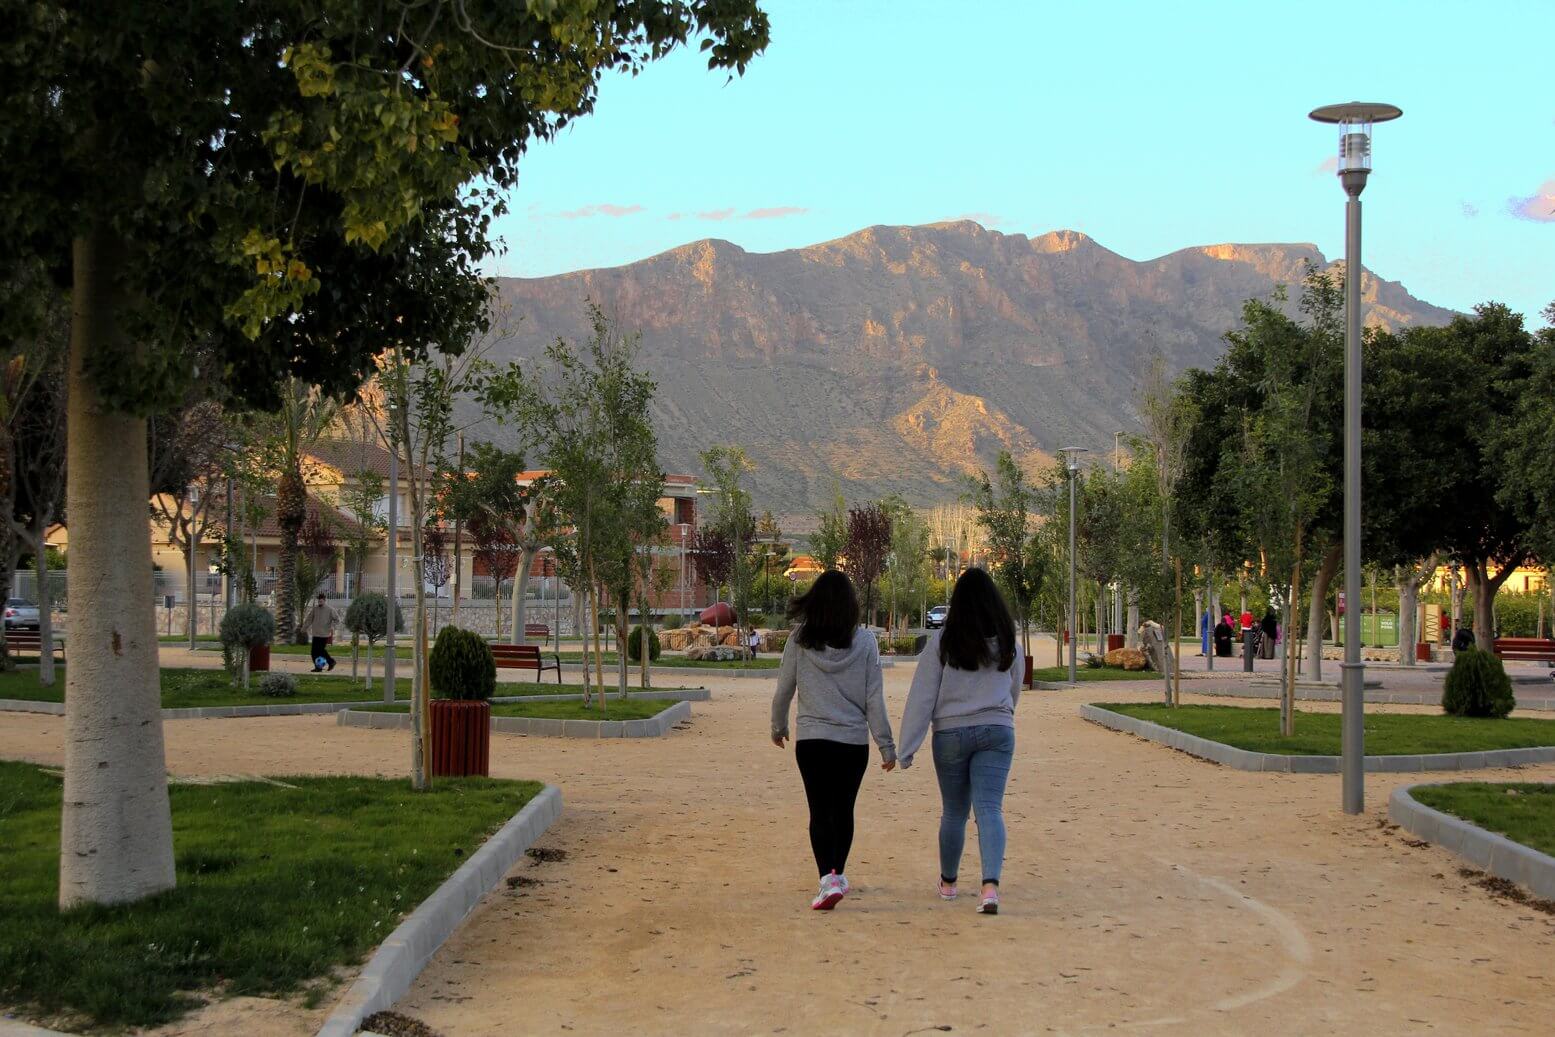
x=188 y=458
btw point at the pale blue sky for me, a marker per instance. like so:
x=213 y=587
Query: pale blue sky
x=1149 y=126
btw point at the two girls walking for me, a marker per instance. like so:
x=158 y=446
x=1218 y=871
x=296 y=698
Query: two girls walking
x=966 y=688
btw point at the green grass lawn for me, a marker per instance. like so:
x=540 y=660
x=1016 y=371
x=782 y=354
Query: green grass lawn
x=187 y=688
x=1317 y=734
x=616 y=709
x=277 y=886
x=1061 y=673
x=1523 y=813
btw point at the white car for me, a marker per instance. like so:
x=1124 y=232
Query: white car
x=936 y=616
x=20 y=614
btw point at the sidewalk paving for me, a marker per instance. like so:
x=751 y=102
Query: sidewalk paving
x=1143 y=889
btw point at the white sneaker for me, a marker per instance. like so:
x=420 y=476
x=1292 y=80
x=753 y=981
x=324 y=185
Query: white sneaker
x=842 y=883
x=832 y=890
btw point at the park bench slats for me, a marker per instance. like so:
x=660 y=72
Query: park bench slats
x=1526 y=649
x=526 y=657
x=539 y=630
x=30 y=642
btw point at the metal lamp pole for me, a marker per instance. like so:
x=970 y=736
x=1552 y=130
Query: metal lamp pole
x=1074 y=468
x=1354 y=121
x=394 y=536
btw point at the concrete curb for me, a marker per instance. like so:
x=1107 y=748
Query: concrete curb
x=401 y=957
x=1247 y=760
x=652 y=727
x=1494 y=853
x=1329 y=693
x=666 y=695
x=279 y=709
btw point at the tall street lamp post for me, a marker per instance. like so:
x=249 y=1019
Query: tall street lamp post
x=1355 y=122
x=392 y=589
x=1073 y=464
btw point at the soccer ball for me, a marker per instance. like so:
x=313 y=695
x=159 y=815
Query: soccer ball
x=321 y=662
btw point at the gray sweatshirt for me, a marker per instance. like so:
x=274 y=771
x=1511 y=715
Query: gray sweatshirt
x=841 y=697
x=950 y=698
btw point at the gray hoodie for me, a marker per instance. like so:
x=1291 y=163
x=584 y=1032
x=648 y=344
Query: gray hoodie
x=841 y=697
x=950 y=698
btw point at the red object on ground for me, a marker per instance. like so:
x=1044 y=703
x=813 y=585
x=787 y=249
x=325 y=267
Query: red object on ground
x=259 y=659
x=1028 y=671
x=461 y=738
x=1423 y=651
x=1114 y=642
x=719 y=615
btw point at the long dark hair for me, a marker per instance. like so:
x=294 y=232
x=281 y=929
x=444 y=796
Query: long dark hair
x=827 y=613
x=977 y=614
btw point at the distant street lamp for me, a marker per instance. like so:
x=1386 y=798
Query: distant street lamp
x=1354 y=121
x=1074 y=467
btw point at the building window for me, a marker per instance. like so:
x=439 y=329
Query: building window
x=685 y=511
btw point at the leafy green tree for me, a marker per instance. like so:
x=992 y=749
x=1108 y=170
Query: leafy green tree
x=291 y=193
x=727 y=466
x=830 y=539
x=1004 y=509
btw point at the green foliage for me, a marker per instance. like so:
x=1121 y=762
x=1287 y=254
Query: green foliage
x=244 y=627
x=368 y=616
x=1004 y=509
x=461 y=666
x=1477 y=686
x=264 y=903
x=777 y=640
x=830 y=538
x=673 y=621
x=904 y=644
x=634 y=650
x=278 y=685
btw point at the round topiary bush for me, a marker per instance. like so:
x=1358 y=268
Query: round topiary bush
x=368 y=616
x=634 y=645
x=244 y=627
x=1477 y=686
x=461 y=666
x=278 y=685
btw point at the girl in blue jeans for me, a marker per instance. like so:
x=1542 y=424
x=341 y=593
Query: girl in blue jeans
x=966 y=688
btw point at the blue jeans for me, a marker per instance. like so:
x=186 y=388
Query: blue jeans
x=973 y=764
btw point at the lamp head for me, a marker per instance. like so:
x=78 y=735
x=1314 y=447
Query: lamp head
x=1355 y=121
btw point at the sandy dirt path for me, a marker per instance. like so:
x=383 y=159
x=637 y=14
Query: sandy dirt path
x=1144 y=890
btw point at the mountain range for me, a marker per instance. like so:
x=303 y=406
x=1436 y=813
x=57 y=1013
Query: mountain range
x=901 y=359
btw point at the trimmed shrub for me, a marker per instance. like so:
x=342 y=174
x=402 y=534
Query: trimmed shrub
x=243 y=627
x=673 y=621
x=278 y=685
x=461 y=666
x=904 y=644
x=777 y=640
x=368 y=616
x=634 y=645
x=1477 y=686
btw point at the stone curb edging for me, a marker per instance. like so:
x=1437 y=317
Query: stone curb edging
x=1247 y=760
x=401 y=957
x=1329 y=693
x=279 y=709
x=652 y=727
x=666 y=695
x=1494 y=853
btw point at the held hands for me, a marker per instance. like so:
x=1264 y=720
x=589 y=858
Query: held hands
x=888 y=766
x=778 y=740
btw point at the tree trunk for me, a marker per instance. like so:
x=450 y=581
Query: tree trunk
x=526 y=559
x=646 y=628
x=420 y=773
x=1408 y=580
x=1288 y=666
x=1485 y=588
x=291 y=510
x=7 y=532
x=1198 y=614
x=1131 y=636
x=594 y=624
x=45 y=604
x=116 y=832
x=191 y=549
x=622 y=633
x=1316 y=614
x=1101 y=622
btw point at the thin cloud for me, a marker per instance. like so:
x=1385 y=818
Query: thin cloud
x=716 y=214
x=987 y=219
x=1470 y=210
x=1328 y=165
x=776 y=212
x=603 y=209
x=1539 y=206
x=676 y=216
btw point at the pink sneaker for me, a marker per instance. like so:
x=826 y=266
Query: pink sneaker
x=947 y=890
x=832 y=891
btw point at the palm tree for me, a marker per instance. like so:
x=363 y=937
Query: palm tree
x=304 y=417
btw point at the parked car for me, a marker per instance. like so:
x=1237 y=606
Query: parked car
x=20 y=614
x=936 y=617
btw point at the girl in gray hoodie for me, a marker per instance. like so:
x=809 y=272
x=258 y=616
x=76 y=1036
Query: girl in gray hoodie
x=835 y=668
x=967 y=686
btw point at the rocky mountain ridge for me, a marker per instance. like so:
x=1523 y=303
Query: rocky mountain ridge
x=899 y=359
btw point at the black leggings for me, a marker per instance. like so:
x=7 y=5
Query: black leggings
x=832 y=773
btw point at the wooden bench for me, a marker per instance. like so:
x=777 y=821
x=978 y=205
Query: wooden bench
x=526 y=657
x=1526 y=649
x=539 y=630
x=31 y=642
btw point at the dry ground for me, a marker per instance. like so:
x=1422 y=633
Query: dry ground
x=1144 y=890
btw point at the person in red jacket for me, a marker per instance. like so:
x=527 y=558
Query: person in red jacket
x=1247 y=620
